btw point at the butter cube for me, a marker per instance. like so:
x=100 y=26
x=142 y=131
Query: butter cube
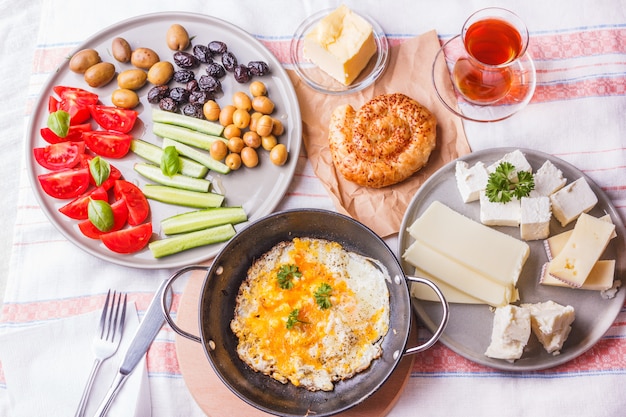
x=572 y=200
x=535 y=218
x=341 y=44
x=470 y=181
x=510 y=333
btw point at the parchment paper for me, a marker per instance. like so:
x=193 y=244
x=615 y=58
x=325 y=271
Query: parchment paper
x=408 y=72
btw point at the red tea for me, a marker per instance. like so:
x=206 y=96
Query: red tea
x=493 y=41
x=481 y=85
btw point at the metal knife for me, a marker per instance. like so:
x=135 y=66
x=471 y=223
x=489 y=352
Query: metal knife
x=146 y=332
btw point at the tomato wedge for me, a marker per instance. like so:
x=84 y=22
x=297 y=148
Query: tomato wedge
x=76 y=102
x=74 y=134
x=138 y=206
x=59 y=155
x=77 y=208
x=129 y=240
x=107 y=143
x=66 y=183
x=114 y=118
x=120 y=215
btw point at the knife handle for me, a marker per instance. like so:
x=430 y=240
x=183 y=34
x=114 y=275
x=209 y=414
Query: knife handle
x=111 y=394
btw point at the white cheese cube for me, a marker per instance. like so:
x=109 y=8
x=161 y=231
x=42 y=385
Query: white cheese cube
x=551 y=323
x=515 y=158
x=572 y=200
x=535 y=218
x=471 y=181
x=499 y=214
x=548 y=180
x=510 y=333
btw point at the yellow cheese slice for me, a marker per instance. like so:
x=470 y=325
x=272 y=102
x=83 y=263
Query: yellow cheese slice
x=600 y=277
x=452 y=294
x=588 y=240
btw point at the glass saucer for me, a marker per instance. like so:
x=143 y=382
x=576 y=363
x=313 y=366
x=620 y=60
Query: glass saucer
x=519 y=95
x=322 y=82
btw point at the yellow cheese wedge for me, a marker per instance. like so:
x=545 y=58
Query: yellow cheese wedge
x=600 y=277
x=588 y=240
x=489 y=252
x=455 y=274
x=341 y=44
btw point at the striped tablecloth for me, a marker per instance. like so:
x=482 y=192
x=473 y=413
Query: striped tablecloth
x=578 y=113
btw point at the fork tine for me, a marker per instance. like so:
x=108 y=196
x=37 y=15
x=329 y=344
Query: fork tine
x=103 y=316
x=123 y=319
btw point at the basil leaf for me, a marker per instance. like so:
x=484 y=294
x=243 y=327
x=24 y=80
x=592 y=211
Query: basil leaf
x=170 y=161
x=59 y=123
x=100 y=170
x=100 y=215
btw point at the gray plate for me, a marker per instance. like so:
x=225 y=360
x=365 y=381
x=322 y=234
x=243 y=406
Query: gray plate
x=258 y=190
x=469 y=329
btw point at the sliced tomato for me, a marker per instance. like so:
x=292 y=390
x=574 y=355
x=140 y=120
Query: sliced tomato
x=77 y=208
x=76 y=102
x=66 y=183
x=120 y=215
x=108 y=144
x=138 y=206
x=74 y=134
x=59 y=155
x=114 y=118
x=114 y=175
x=129 y=240
x=53 y=104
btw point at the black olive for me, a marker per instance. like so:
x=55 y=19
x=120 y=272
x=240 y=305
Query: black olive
x=185 y=60
x=179 y=95
x=210 y=84
x=193 y=110
x=242 y=74
x=229 y=61
x=183 y=76
x=215 y=70
x=156 y=93
x=192 y=85
x=259 y=68
x=217 y=47
x=202 y=53
x=200 y=97
x=168 y=104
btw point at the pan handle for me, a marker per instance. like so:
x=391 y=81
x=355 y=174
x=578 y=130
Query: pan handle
x=165 y=308
x=444 y=319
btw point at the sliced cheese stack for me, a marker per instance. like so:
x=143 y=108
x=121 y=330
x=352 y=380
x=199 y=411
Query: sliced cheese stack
x=583 y=249
x=477 y=261
x=600 y=276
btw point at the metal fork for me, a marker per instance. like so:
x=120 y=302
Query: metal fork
x=106 y=341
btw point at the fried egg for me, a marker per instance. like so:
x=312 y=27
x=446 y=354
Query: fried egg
x=311 y=313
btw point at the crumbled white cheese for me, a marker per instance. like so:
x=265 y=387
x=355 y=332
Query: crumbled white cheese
x=551 y=323
x=572 y=200
x=510 y=333
x=535 y=218
x=548 y=180
x=471 y=181
x=499 y=214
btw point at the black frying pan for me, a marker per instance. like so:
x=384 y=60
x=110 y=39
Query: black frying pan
x=217 y=306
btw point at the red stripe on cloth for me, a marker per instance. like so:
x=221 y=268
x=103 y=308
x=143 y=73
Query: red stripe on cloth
x=593 y=87
x=578 y=44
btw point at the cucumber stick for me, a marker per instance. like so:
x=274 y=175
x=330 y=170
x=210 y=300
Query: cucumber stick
x=153 y=153
x=153 y=173
x=181 y=242
x=197 y=155
x=205 y=126
x=180 y=197
x=202 y=219
x=184 y=135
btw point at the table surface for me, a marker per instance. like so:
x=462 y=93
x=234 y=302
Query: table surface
x=577 y=114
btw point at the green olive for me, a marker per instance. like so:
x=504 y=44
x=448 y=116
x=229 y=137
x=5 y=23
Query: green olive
x=241 y=118
x=144 y=58
x=177 y=38
x=278 y=154
x=120 y=48
x=211 y=110
x=242 y=101
x=264 y=125
x=100 y=74
x=233 y=160
x=252 y=139
x=132 y=79
x=218 y=150
x=161 y=73
x=269 y=142
x=277 y=127
x=82 y=60
x=257 y=88
x=263 y=104
x=124 y=98
x=249 y=157
x=226 y=114
x=235 y=144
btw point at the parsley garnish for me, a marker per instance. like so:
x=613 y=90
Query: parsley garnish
x=504 y=184
x=322 y=296
x=286 y=274
x=293 y=319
